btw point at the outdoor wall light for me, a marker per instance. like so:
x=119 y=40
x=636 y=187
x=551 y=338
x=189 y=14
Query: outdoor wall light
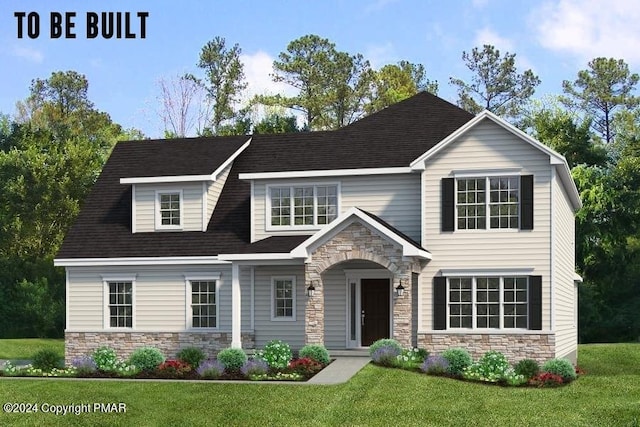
x=311 y=290
x=400 y=289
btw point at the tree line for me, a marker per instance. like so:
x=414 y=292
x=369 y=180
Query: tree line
x=53 y=148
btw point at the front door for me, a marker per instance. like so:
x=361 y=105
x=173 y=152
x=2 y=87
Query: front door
x=374 y=310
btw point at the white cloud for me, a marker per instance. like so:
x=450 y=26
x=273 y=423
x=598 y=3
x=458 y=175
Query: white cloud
x=381 y=55
x=258 y=68
x=587 y=29
x=487 y=36
x=31 y=55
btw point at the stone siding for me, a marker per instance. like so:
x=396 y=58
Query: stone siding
x=358 y=242
x=80 y=343
x=515 y=347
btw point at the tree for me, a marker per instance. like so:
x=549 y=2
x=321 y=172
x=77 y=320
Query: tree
x=224 y=81
x=602 y=90
x=495 y=84
x=183 y=106
x=396 y=82
x=566 y=133
x=276 y=123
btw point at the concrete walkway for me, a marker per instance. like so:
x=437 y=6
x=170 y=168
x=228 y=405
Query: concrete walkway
x=340 y=370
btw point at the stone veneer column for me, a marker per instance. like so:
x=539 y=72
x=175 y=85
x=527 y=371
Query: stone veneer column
x=314 y=308
x=402 y=307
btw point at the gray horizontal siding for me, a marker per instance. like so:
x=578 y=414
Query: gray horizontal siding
x=191 y=204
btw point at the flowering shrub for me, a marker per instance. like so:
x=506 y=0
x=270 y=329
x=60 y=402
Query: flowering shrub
x=561 y=367
x=435 y=365
x=411 y=357
x=528 y=368
x=316 y=352
x=458 y=359
x=546 y=379
x=278 y=376
x=85 y=365
x=46 y=360
x=232 y=358
x=9 y=369
x=54 y=372
x=173 y=368
x=305 y=366
x=253 y=367
x=210 y=369
x=105 y=359
x=276 y=353
x=385 y=342
x=146 y=358
x=491 y=367
x=386 y=355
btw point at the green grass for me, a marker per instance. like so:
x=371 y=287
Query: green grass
x=608 y=395
x=25 y=348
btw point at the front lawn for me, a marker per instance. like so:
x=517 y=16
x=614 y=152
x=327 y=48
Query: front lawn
x=24 y=348
x=608 y=394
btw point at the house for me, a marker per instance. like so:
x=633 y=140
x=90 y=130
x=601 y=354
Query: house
x=421 y=222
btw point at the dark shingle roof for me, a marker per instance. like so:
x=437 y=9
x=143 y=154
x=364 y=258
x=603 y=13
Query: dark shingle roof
x=392 y=137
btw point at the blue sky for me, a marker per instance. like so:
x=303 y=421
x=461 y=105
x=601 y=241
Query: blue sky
x=554 y=38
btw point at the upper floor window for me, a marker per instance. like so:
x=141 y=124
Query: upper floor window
x=488 y=202
x=169 y=210
x=305 y=205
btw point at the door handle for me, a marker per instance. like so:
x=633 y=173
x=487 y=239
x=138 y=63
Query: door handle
x=362 y=318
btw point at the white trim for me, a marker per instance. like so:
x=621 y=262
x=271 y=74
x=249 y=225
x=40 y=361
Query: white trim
x=202 y=277
x=294 y=292
x=236 y=307
x=356 y=276
x=476 y=175
x=483 y=272
x=186 y=178
x=252 y=214
x=577 y=277
x=134 y=214
x=67 y=308
x=368 y=273
x=305 y=248
x=106 y=315
x=158 y=217
x=255 y=257
x=253 y=296
x=555 y=158
x=487 y=332
x=325 y=173
x=552 y=250
x=291 y=186
x=204 y=206
x=480 y=173
x=100 y=262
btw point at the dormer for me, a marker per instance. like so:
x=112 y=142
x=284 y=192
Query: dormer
x=167 y=202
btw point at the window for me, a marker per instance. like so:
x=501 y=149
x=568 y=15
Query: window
x=488 y=302
x=120 y=304
x=283 y=292
x=203 y=304
x=169 y=210
x=490 y=202
x=303 y=206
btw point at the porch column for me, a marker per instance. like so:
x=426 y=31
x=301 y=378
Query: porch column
x=402 y=307
x=236 y=315
x=314 y=308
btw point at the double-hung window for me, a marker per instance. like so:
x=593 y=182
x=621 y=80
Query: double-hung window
x=119 y=310
x=204 y=312
x=283 y=298
x=169 y=210
x=488 y=302
x=488 y=202
x=303 y=206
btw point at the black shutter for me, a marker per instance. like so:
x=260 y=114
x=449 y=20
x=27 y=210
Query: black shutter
x=535 y=303
x=448 y=201
x=439 y=303
x=526 y=204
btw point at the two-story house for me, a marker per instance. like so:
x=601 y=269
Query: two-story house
x=421 y=222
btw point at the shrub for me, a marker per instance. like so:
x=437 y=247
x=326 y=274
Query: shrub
x=546 y=379
x=173 y=368
x=385 y=342
x=84 y=365
x=435 y=365
x=46 y=360
x=528 y=368
x=315 y=352
x=232 y=358
x=254 y=367
x=561 y=367
x=491 y=367
x=210 y=369
x=305 y=366
x=458 y=359
x=276 y=353
x=386 y=355
x=105 y=359
x=410 y=358
x=192 y=355
x=146 y=358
